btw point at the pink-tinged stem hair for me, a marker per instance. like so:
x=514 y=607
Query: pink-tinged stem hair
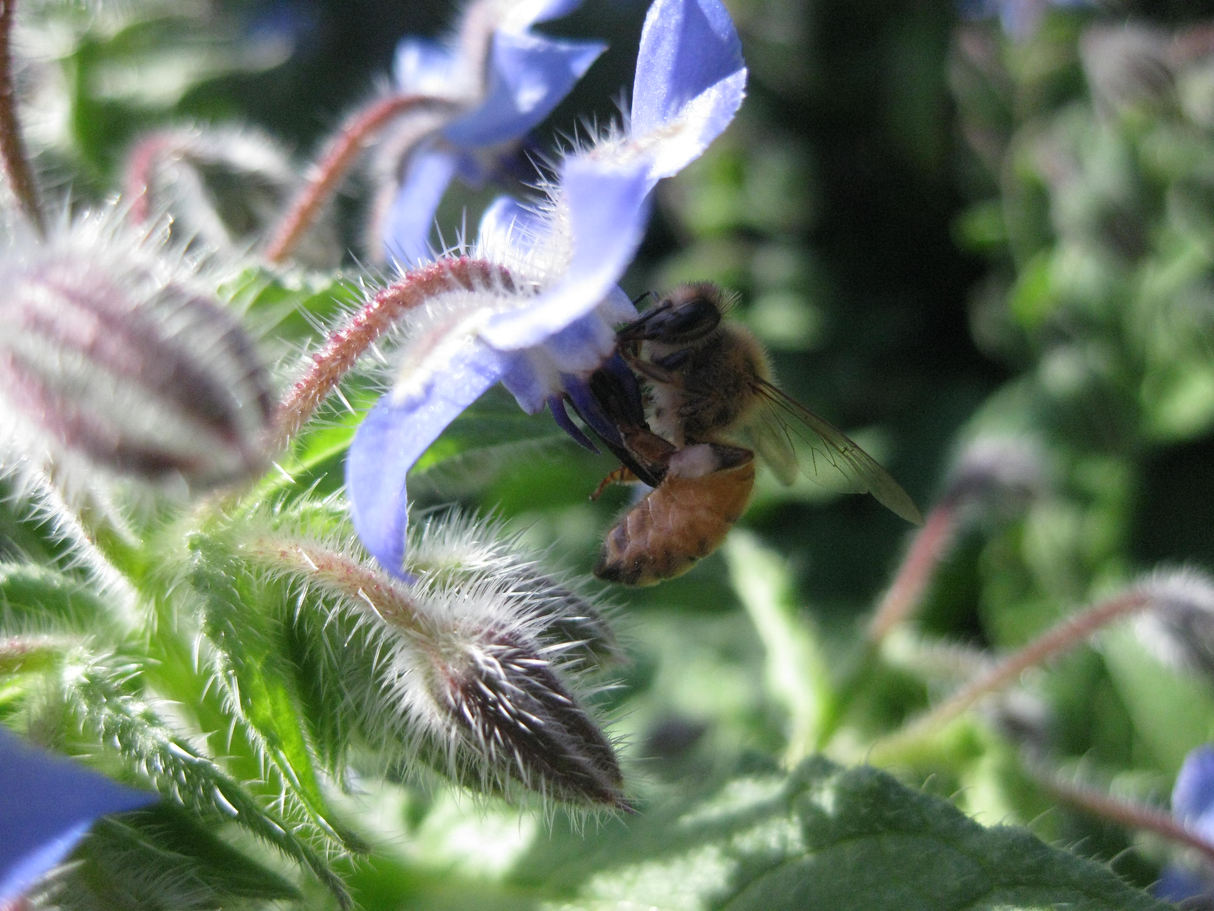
x=344 y=347
x=906 y=591
x=142 y=162
x=341 y=154
x=1124 y=813
x=12 y=146
x=1055 y=642
x=338 y=573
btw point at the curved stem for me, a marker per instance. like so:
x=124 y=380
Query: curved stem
x=142 y=160
x=372 y=320
x=328 y=172
x=1124 y=813
x=12 y=147
x=1054 y=642
x=906 y=591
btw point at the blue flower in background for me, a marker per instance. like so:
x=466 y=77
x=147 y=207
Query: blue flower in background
x=508 y=78
x=47 y=804
x=564 y=256
x=1193 y=806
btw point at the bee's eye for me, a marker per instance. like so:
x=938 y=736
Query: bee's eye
x=684 y=322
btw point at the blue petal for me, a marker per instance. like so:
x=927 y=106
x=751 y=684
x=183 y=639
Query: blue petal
x=1193 y=794
x=509 y=225
x=425 y=67
x=687 y=47
x=556 y=405
x=690 y=80
x=607 y=214
x=407 y=224
x=542 y=11
x=47 y=804
x=393 y=436
x=528 y=76
x=1177 y=884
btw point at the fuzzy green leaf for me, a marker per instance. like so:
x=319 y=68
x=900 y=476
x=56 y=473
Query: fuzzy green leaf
x=826 y=837
x=109 y=714
x=160 y=858
x=253 y=668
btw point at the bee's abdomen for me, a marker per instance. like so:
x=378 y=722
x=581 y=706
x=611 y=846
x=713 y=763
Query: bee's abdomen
x=686 y=517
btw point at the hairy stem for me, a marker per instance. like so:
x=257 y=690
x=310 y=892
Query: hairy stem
x=372 y=320
x=1122 y=812
x=12 y=147
x=1054 y=642
x=338 y=573
x=147 y=154
x=327 y=173
x=907 y=589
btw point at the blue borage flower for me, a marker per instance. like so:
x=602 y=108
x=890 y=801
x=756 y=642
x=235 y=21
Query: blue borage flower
x=1193 y=807
x=564 y=254
x=47 y=804
x=508 y=79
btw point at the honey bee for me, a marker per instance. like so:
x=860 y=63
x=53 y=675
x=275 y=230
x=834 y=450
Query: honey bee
x=711 y=406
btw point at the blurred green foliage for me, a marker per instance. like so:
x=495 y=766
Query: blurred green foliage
x=944 y=235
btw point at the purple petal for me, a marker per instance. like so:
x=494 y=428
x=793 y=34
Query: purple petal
x=47 y=804
x=1193 y=795
x=607 y=213
x=393 y=436
x=690 y=74
x=509 y=225
x=556 y=405
x=425 y=67
x=532 y=11
x=407 y=224
x=1177 y=885
x=528 y=76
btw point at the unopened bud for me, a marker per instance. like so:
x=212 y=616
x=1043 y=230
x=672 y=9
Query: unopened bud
x=223 y=186
x=999 y=473
x=456 y=546
x=1179 y=628
x=111 y=352
x=1128 y=67
x=510 y=716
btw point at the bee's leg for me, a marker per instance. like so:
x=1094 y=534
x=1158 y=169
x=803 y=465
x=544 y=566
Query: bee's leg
x=656 y=372
x=622 y=475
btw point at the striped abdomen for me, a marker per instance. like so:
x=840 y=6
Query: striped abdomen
x=686 y=517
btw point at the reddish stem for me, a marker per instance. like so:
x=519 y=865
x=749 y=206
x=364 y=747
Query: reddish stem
x=1054 y=642
x=338 y=573
x=141 y=162
x=372 y=320
x=1132 y=816
x=907 y=589
x=342 y=152
x=12 y=147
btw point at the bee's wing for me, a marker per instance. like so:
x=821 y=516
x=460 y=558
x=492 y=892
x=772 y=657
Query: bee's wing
x=791 y=438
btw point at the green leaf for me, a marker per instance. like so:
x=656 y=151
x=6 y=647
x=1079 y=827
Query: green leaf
x=161 y=858
x=830 y=838
x=111 y=715
x=37 y=597
x=252 y=666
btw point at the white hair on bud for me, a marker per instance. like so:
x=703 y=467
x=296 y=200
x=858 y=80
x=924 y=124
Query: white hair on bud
x=1179 y=627
x=118 y=360
x=477 y=669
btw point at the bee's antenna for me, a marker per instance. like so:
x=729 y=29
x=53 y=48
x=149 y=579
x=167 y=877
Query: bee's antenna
x=644 y=294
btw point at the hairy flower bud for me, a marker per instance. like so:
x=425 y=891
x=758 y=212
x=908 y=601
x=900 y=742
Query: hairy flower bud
x=507 y=715
x=112 y=353
x=1180 y=627
x=471 y=667
x=224 y=186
